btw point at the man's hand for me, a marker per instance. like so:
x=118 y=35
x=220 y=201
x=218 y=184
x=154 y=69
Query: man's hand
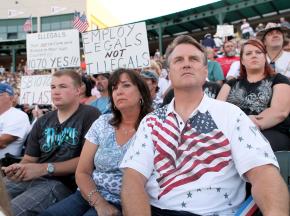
x=24 y=172
x=106 y=209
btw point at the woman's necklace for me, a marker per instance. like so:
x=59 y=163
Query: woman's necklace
x=127 y=131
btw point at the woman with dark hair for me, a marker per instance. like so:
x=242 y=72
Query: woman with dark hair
x=98 y=175
x=262 y=94
x=86 y=89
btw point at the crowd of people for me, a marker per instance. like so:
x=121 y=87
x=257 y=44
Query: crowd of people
x=181 y=137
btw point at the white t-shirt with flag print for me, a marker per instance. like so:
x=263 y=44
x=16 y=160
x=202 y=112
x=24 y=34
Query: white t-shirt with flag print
x=197 y=166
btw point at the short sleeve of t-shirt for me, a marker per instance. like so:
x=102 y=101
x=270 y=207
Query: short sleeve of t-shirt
x=249 y=147
x=231 y=82
x=16 y=123
x=98 y=127
x=140 y=154
x=280 y=78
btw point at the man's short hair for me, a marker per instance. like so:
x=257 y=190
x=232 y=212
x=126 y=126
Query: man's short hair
x=184 y=39
x=229 y=41
x=77 y=79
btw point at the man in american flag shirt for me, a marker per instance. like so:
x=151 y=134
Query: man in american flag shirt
x=193 y=156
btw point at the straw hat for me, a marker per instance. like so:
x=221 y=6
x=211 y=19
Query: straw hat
x=269 y=27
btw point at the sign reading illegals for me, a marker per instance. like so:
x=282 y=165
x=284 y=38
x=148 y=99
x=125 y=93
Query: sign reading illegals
x=56 y=49
x=225 y=30
x=35 y=89
x=111 y=48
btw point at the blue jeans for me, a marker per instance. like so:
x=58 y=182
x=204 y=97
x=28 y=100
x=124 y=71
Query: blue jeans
x=73 y=205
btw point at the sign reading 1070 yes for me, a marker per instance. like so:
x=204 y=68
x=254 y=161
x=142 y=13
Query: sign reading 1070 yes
x=123 y=46
x=55 y=49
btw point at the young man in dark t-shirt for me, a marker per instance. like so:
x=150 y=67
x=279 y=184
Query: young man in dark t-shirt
x=53 y=149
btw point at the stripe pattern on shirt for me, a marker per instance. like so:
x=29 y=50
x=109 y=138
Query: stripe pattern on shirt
x=185 y=156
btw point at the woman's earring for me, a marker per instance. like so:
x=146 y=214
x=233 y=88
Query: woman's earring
x=141 y=102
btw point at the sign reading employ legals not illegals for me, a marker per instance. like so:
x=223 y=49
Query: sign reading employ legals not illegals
x=35 y=89
x=111 y=48
x=55 y=49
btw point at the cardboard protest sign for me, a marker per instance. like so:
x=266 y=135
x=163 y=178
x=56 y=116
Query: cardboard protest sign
x=225 y=30
x=35 y=89
x=122 y=46
x=55 y=49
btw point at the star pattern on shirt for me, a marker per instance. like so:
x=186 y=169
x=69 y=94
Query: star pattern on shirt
x=183 y=204
x=241 y=138
x=146 y=136
x=238 y=128
x=202 y=122
x=198 y=190
x=238 y=120
x=266 y=154
x=226 y=196
x=189 y=194
x=249 y=146
x=138 y=152
x=143 y=145
x=161 y=112
x=218 y=189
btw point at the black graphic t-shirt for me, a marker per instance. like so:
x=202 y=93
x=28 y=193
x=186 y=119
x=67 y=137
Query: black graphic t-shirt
x=254 y=98
x=54 y=142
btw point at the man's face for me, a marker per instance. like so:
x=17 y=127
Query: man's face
x=274 y=39
x=230 y=49
x=152 y=85
x=5 y=99
x=63 y=91
x=186 y=67
x=102 y=83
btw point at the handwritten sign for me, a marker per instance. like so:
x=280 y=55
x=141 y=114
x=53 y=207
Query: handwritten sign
x=122 y=46
x=56 y=49
x=225 y=30
x=35 y=89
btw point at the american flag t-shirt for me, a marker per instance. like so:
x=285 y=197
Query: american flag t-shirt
x=183 y=157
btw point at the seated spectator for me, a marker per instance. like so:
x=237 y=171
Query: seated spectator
x=260 y=27
x=229 y=56
x=284 y=23
x=208 y=41
x=4 y=201
x=273 y=37
x=192 y=156
x=262 y=94
x=14 y=124
x=103 y=102
x=215 y=72
x=234 y=71
x=98 y=175
x=151 y=79
x=45 y=174
x=86 y=91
